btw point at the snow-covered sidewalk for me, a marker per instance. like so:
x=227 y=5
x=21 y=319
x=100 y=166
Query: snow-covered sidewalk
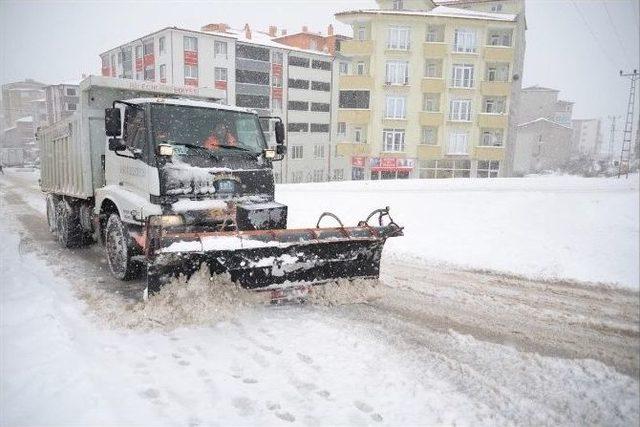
x=553 y=227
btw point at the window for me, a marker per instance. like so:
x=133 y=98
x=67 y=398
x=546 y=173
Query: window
x=320 y=106
x=190 y=44
x=458 y=143
x=397 y=4
x=393 y=140
x=362 y=33
x=220 y=74
x=431 y=102
x=429 y=135
x=298 y=84
x=460 y=110
x=220 y=48
x=276 y=81
x=395 y=107
x=319 y=127
x=298 y=105
x=163 y=72
x=445 y=169
x=252 y=101
x=465 y=40
x=295 y=61
x=435 y=33
x=318 y=175
x=276 y=104
x=149 y=72
x=277 y=58
x=147 y=48
x=462 y=75
x=493 y=105
x=138 y=52
x=360 y=68
x=321 y=65
x=71 y=91
x=357 y=174
x=254 y=53
x=343 y=68
x=433 y=68
x=190 y=71
x=318 y=151
x=342 y=128
x=71 y=106
x=127 y=64
x=161 y=45
x=398 y=38
x=338 y=174
x=119 y=58
x=397 y=72
x=491 y=138
x=321 y=86
x=498 y=72
x=296 y=152
x=298 y=127
x=252 y=77
x=358 y=135
x=496 y=8
x=488 y=168
x=354 y=99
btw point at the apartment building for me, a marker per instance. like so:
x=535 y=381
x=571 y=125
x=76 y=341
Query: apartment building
x=277 y=74
x=430 y=91
x=587 y=138
x=538 y=101
x=23 y=99
x=61 y=101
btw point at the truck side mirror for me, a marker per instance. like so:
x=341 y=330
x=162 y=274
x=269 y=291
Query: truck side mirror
x=281 y=149
x=112 y=122
x=115 y=144
x=279 y=128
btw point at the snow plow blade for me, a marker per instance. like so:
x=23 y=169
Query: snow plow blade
x=260 y=259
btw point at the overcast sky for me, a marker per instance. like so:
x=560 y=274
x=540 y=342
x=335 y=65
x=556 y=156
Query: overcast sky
x=576 y=46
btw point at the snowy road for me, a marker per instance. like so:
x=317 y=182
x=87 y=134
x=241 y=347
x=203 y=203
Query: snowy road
x=441 y=345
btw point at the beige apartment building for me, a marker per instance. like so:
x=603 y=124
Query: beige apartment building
x=427 y=89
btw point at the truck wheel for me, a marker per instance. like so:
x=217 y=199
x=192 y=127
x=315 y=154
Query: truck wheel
x=119 y=249
x=68 y=226
x=51 y=214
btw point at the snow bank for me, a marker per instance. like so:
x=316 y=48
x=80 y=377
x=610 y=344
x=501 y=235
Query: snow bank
x=563 y=227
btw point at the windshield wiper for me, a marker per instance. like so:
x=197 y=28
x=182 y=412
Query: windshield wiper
x=234 y=147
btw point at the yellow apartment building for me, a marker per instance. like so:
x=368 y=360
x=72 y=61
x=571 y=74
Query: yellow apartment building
x=428 y=89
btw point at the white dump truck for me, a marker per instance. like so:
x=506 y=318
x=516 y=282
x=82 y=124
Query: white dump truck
x=167 y=179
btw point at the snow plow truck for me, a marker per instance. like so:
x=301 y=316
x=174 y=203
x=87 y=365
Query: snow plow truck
x=166 y=179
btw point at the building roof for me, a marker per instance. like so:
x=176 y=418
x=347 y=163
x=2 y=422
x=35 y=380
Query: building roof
x=562 y=101
x=543 y=119
x=443 y=11
x=540 y=88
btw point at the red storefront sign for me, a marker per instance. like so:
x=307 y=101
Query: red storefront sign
x=190 y=58
x=190 y=82
x=358 y=161
x=149 y=60
x=221 y=84
x=391 y=164
x=276 y=93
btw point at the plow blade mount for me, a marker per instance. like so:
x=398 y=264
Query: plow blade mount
x=267 y=258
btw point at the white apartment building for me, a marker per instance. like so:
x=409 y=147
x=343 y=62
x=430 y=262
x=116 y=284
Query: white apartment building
x=587 y=138
x=255 y=71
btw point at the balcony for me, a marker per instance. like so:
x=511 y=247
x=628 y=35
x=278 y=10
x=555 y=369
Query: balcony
x=435 y=49
x=354 y=115
x=494 y=121
x=489 y=153
x=355 y=82
x=357 y=47
x=467 y=84
x=433 y=85
x=353 y=149
x=495 y=88
x=430 y=118
x=427 y=152
x=498 y=53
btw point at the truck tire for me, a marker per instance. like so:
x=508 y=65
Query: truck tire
x=119 y=249
x=68 y=227
x=51 y=214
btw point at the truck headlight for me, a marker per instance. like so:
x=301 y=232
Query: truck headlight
x=165 y=150
x=166 y=220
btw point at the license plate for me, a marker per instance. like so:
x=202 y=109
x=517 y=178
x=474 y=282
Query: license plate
x=226 y=186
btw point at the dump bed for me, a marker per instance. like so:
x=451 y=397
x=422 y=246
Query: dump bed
x=72 y=149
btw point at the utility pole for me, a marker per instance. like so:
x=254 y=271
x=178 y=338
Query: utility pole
x=625 y=153
x=611 y=137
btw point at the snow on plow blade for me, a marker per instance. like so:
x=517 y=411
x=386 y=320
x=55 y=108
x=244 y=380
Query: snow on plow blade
x=263 y=258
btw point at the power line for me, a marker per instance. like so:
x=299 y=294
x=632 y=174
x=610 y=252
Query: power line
x=597 y=40
x=615 y=29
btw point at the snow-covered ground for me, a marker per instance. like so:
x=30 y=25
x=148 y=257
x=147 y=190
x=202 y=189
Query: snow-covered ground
x=63 y=364
x=552 y=227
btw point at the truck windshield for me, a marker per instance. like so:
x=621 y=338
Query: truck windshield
x=206 y=127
